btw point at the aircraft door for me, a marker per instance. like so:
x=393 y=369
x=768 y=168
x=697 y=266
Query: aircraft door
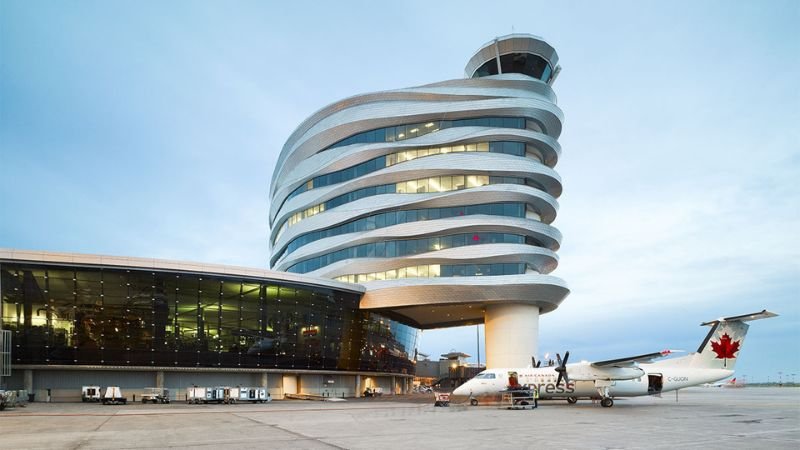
x=655 y=383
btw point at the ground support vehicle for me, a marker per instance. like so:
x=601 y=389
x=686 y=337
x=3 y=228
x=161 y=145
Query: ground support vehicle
x=195 y=395
x=7 y=399
x=518 y=399
x=155 y=395
x=373 y=392
x=441 y=399
x=254 y=395
x=217 y=394
x=113 y=396
x=91 y=394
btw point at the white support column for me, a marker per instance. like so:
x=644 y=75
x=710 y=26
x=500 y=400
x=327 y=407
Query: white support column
x=512 y=335
x=28 y=380
x=160 y=379
x=358 y=385
x=289 y=383
x=264 y=380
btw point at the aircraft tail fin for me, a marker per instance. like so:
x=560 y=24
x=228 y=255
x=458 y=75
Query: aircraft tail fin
x=720 y=349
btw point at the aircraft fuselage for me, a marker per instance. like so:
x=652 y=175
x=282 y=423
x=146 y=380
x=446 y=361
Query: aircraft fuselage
x=654 y=379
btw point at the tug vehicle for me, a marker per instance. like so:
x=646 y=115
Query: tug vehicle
x=155 y=395
x=113 y=396
x=91 y=394
x=254 y=395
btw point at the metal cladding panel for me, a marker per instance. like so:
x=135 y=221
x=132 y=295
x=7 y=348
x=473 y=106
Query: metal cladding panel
x=342 y=157
x=348 y=123
x=66 y=379
x=543 y=260
x=545 y=204
x=182 y=380
x=547 y=234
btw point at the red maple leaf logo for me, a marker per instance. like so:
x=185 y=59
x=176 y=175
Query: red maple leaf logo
x=725 y=348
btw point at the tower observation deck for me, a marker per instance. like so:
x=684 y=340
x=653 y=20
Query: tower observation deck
x=438 y=199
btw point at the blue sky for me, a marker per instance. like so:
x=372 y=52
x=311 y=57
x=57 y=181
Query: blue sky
x=151 y=129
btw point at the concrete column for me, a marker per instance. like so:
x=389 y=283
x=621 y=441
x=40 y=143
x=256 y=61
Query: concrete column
x=394 y=385
x=28 y=381
x=264 y=379
x=160 y=379
x=512 y=335
x=289 y=384
x=358 y=385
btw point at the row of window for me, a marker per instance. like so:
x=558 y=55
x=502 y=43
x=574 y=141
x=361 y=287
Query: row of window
x=381 y=162
x=526 y=63
x=437 y=270
x=89 y=316
x=423 y=185
x=390 y=218
x=403 y=132
x=406 y=247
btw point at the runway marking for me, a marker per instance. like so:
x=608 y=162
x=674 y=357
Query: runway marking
x=169 y=413
x=293 y=433
x=85 y=440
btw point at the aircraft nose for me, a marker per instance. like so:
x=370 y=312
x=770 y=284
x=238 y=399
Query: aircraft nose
x=462 y=390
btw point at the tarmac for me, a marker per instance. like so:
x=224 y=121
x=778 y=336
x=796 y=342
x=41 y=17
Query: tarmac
x=708 y=418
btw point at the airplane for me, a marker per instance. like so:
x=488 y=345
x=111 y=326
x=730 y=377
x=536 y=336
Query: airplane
x=633 y=376
x=726 y=384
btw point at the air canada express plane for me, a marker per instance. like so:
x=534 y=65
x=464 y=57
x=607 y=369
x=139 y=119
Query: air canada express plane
x=624 y=377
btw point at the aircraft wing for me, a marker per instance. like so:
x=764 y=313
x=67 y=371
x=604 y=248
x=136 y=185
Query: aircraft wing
x=630 y=361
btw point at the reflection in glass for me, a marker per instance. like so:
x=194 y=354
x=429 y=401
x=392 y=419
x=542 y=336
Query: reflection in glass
x=133 y=317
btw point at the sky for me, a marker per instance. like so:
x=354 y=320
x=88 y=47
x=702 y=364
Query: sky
x=151 y=129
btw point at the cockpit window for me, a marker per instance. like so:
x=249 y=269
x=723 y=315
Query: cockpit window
x=485 y=376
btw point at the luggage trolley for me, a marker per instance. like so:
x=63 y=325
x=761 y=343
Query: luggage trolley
x=518 y=399
x=441 y=399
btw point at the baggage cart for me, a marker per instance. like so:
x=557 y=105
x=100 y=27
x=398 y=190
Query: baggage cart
x=441 y=399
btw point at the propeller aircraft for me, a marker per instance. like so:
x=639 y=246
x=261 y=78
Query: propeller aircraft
x=632 y=376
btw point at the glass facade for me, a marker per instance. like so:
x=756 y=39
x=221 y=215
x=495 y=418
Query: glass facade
x=381 y=162
x=387 y=219
x=420 y=186
x=437 y=270
x=403 y=132
x=405 y=247
x=71 y=315
x=525 y=63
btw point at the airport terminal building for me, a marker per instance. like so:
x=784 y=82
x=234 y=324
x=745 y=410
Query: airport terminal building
x=391 y=212
x=90 y=320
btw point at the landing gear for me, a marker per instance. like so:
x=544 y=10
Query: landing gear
x=473 y=401
x=572 y=400
x=602 y=389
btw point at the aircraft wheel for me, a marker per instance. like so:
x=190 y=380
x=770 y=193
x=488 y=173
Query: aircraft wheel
x=607 y=402
x=473 y=402
x=572 y=400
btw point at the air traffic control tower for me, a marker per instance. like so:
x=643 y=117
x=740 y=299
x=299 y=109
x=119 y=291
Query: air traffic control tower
x=438 y=199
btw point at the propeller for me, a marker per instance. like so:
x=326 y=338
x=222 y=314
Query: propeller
x=561 y=368
x=535 y=364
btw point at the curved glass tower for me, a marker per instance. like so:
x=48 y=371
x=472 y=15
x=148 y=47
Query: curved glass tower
x=439 y=199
